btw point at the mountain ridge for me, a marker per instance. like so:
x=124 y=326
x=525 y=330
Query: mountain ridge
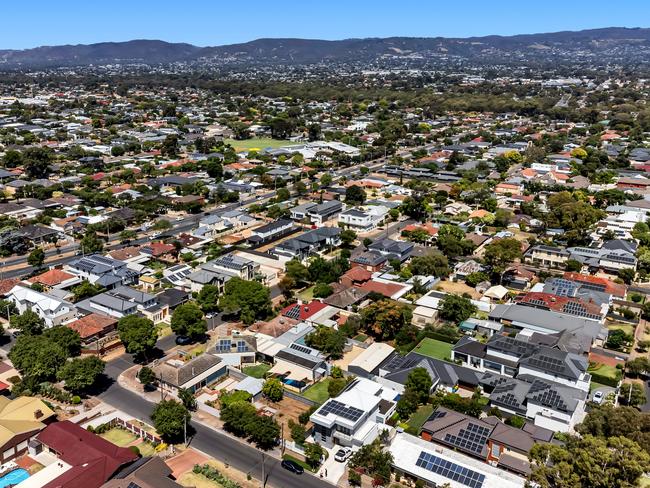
x=609 y=42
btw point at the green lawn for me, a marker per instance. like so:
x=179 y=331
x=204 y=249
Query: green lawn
x=259 y=144
x=318 y=392
x=627 y=328
x=146 y=449
x=307 y=295
x=593 y=386
x=119 y=437
x=606 y=370
x=434 y=348
x=361 y=337
x=420 y=417
x=257 y=371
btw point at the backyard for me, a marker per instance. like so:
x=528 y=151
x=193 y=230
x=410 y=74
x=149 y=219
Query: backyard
x=605 y=370
x=420 y=417
x=434 y=349
x=257 y=371
x=318 y=392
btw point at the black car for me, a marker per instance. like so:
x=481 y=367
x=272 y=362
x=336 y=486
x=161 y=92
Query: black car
x=182 y=340
x=292 y=466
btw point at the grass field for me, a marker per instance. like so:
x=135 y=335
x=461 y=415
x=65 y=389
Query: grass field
x=194 y=480
x=258 y=144
x=307 y=295
x=627 y=328
x=606 y=370
x=420 y=416
x=257 y=371
x=434 y=348
x=594 y=386
x=146 y=449
x=318 y=393
x=119 y=437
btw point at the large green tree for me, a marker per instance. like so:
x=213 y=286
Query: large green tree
x=273 y=390
x=456 y=308
x=386 y=318
x=434 y=264
x=170 y=418
x=208 y=298
x=188 y=320
x=37 y=357
x=28 y=322
x=80 y=374
x=138 y=334
x=250 y=299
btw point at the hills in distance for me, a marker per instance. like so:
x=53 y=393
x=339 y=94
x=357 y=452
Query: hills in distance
x=605 y=45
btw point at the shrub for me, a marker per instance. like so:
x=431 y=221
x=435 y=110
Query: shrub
x=76 y=400
x=135 y=450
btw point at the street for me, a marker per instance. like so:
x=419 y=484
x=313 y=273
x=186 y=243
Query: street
x=239 y=455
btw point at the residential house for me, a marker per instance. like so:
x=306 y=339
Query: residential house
x=547 y=256
x=85 y=459
x=236 y=350
x=271 y=232
x=298 y=365
x=146 y=472
x=392 y=249
x=356 y=416
x=53 y=310
x=300 y=212
x=103 y=271
x=364 y=219
x=20 y=420
x=175 y=372
x=308 y=243
x=325 y=211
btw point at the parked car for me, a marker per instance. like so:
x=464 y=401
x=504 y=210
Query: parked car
x=343 y=454
x=292 y=466
x=598 y=397
x=182 y=340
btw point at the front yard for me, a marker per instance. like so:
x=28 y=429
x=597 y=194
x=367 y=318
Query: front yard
x=434 y=349
x=119 y=437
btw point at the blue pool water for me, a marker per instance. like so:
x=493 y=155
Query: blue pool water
x=286 y=381
x=14 y=477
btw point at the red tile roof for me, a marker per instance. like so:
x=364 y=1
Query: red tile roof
x=358 y=274
x=7 y=285
x=160 y=248
x=610 y=287
x=558 y=303
x=303 y=311
x=94 y=460
x=51 y=277
x=386 y=289
x=92 y=324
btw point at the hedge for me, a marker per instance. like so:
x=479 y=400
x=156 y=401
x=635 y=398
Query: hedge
x=604 y=379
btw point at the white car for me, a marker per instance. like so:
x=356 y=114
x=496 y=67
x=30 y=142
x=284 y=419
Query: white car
x=343 y=454
x=598 y=397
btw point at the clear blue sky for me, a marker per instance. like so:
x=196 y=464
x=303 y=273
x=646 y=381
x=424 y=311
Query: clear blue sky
x=212 y=22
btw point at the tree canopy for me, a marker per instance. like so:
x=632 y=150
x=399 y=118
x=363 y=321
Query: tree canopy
x=170 y=418
x=188 y=320
x=138 y=334
x=250 y=299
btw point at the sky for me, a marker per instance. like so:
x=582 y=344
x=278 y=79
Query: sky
x=214 y=22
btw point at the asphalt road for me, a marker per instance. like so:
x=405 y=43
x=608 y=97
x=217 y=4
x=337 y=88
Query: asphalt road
x=241 y=456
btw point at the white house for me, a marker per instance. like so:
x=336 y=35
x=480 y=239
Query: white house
x=51 y=309
x=364 y=219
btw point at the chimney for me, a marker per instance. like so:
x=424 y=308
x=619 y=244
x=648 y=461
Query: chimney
x=38 y=414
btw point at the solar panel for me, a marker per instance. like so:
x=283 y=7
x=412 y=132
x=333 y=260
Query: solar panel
x=472 y=439
x=133 y=484
x=294 y=313
x=341 y=410
x=452 y=471
x=242 y=346
x=301 y=348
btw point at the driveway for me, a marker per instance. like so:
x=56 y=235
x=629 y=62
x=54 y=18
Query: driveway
x=333 y=468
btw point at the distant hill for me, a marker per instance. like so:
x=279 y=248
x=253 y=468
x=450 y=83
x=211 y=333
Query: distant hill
x=614 y=43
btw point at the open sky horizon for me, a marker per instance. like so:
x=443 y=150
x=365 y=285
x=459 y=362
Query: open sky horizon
x=211 y=23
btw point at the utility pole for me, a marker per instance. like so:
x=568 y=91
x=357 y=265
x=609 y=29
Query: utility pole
x=263 y=473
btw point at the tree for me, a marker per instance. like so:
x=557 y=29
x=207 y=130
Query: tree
x=355 y=195
x=631 y=394
x=208 y=298
x=475 y=278
x=237 y=416
x=575 y=217
x=146 y=376
x=170 y=146
x=67 y=338
x=323 y=271
x=456 y=308
x=36 y=258
x=138 y=334
x=298 y=432
x=615 y=462
x=86 y=289
x=187 y=320
x=617 y=338
x=573 y=265
x=7 y=309
x=374 y=460
x=419 y=382
x=250 y=299
x=91 y=244
x=28 y=323
x=500 y=253
x=516 y=421
x=336 y=386
x=348 y=236
x=36 y=162
x=127 y=235
x=187 y=398
x=313 y=454
x=434 y=264
x=263 y=431
x=627 y=275
x=327 y=340
x=81 y=373
x=326 y=180
x=638 y=366
x=297 y=271
x=385 y=318
x=170 y=419
x=415 y=207
x=322 y=290
x=273 y=390
x=37 y=357
x=407 y=404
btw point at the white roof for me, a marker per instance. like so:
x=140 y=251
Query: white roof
x=406 y=450
x=45 y=302
x=497 y=291
x=372 y=357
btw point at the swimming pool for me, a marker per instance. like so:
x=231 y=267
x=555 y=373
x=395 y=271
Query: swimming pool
x=14 y=477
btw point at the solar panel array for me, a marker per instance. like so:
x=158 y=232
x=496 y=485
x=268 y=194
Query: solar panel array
x=133 y=484
x=224 y=345
x=341 y=410
x=472 y=439
x=449 y=470
x=294 y=313
x=301 y=348
x=547 y=363
x=551 y=398
x=242 y=346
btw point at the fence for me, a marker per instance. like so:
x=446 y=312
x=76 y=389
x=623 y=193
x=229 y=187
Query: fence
x=300 y=398
x=135 y=429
